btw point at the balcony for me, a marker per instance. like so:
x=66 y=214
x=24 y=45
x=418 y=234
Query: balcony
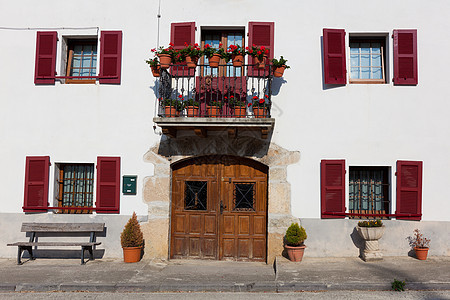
x=227 y=98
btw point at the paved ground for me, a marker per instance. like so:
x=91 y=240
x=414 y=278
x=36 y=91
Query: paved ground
x=312 y=274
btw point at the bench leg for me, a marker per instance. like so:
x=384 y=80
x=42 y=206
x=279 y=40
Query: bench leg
x=19 y=253
x=82 y=255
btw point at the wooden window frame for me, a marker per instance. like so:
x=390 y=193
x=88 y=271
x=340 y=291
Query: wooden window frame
x=222 y=72
x=366 y=39
x=60 y=193
x=70 y=44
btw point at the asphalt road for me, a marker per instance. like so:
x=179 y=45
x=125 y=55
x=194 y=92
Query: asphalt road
x=335 y=295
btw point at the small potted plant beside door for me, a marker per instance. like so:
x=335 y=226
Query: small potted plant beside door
x=293 y=242
x=132 y=240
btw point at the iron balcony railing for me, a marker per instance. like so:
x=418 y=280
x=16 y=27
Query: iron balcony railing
x=223 y=92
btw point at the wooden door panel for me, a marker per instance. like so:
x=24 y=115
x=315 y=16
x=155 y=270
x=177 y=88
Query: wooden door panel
x=244 y=225
x=238 y=230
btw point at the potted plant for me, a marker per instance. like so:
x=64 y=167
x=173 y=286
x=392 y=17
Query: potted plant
x=226 y=56
x=191 y=107
x=294 y=242
x=259 y=54
x=259 y=107
x=212 y=55
x=214 y=108
x=192 y=54
x=371 y=231
x=278 y=66
x=237 y=55
x=165 y=55
x=172 y=107
x=420 y=244
x=154 y=66
x=132 y=240
x=239 y=107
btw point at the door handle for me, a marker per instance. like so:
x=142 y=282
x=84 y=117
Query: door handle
x=222 y=207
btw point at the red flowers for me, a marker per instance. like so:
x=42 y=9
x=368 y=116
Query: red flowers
x=255 y=97
x=180 y=96
x=207 y=46
x=153 y=50
x=249 y=105
x=262 y=100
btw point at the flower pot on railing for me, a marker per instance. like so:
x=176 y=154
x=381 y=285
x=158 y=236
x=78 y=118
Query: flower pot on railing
x=214 y=60
x=260 y=63
x=213 y=111
x=165 y=60
x=191 y=61
x=239 y=112
x=278 y=71
x=192 y=111
x=238 y=60
x=156 y=70
x=171 y=112
x=259 y=112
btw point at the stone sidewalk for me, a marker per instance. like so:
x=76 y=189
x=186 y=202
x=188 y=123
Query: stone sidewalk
x=312 y=274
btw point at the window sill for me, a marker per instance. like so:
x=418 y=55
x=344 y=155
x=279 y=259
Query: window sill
x=367 y=81
x=73 y=81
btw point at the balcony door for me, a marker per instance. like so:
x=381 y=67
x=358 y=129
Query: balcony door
x=219 y=209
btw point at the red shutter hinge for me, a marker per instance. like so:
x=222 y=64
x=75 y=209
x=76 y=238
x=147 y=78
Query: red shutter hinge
x=195 y=28
x=248 y=33
x=392 y=36
x=395 y=173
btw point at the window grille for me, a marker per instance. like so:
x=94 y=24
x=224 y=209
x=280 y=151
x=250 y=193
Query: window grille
x=195 y=195
x=76 y=186
x=244 y=196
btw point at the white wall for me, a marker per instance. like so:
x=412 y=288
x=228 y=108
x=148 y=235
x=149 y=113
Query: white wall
x=371 y=125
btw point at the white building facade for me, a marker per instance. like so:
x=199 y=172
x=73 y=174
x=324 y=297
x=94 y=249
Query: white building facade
x=357 y=127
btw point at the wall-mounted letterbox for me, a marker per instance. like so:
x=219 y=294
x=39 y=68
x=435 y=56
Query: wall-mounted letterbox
x=129 y=184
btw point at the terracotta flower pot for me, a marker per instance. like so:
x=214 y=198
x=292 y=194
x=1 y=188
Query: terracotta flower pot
x=171 y=112
x=192 y=111
x=295 y=253
x=165 y=60
x=239 y=112
x=191 y=61
x=156 y=70
x=213 y=111
x=214 y=61
x=259 y=112
x=131 y=254
x=279 y=71
x=260 y=64
x=238 y=60
x=421 y=253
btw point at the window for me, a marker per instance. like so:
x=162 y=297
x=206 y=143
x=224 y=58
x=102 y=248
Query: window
x=195 y=195
x=225 y=37
x=367 y=57
x=244 y=196
x=75 y=186
x=369 y=190
x=81 y=60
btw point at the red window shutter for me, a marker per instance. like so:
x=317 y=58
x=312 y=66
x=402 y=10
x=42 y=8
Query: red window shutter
x=108 y=185
x=36 y=184
x=110 y=56
x=405 y=57
x=260 y=34
x=409 y=189
x=180 y=34
x=45 y=63
x=334 y=56
x=332 y=180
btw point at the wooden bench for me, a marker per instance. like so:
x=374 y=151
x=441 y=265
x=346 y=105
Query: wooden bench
x=59 y=228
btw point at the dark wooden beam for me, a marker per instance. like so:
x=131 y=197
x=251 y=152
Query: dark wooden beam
x=232 y=132
x=201 y=132
x=170 y=131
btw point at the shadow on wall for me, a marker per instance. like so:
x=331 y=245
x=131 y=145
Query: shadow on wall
x=357 y=241
x=248 y=144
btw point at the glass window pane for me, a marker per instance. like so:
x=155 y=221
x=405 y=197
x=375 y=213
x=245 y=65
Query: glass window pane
x=354 y=47
x=76 y=62
x=86 y=62
x=376 y=60
x=244 y=196
x=365 y=60
x=365 y=73
x=195 y=195
x=376 y=73
x=77 y=49
x=376 y=48
x=354 y=73
x=354 y=60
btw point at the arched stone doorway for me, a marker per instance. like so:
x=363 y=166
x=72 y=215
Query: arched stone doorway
x=219 y=208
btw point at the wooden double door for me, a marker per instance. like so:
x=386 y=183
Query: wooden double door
x=219 y=209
